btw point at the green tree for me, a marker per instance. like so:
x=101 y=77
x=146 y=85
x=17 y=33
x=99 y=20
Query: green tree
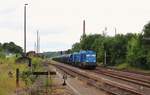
x=146 y=30
x=76 y=47
x=118 y=49
x=1 y=48
x=136 y=55
x=146 y=42
x=86 y=43
x=99 y=48
x=12 y=48
x=129 y=48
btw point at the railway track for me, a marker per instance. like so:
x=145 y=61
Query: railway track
x=127 y=71
x=140 y=75
x=130 y=77
x=108 y=86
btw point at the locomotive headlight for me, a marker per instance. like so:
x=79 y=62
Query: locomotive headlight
x=88 y=55
x=94 y=55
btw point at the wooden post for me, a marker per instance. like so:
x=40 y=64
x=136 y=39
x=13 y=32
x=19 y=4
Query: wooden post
x=65 y=78
x=47 y=84
x=17 y=77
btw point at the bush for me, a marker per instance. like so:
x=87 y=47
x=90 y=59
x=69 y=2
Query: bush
x=123 y=66
x=27 y=76
x=2 y=55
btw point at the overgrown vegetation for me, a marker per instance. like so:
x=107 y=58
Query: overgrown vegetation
x=27 y=76
x=131 y=50
x=8 y=81
x=9 y=53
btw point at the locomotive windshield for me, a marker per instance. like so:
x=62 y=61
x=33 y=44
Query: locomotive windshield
x=91 y=55
x=91 y=58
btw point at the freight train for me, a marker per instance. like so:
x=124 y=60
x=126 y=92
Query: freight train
x=83 y=59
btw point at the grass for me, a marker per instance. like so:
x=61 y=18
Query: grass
x=7 y=83
x=123 y=66
x=126 y=66
x=36 y=67
x=36 y=64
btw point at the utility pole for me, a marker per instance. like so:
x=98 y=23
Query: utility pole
x=25 y=28
x=35 y=46
x=83 y=27
x=37 y=41
x=115 y=31
x=39 y=44
x=105 y=55
x=83 y=35
x=104 y=31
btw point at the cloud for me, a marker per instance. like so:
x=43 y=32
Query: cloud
x=60 y=21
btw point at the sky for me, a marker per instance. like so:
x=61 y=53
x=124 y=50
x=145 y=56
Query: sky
x=60 y=21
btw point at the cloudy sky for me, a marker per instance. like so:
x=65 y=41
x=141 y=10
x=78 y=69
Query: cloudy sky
x=60 y=21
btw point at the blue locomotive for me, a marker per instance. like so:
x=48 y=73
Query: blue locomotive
x=83 y=59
